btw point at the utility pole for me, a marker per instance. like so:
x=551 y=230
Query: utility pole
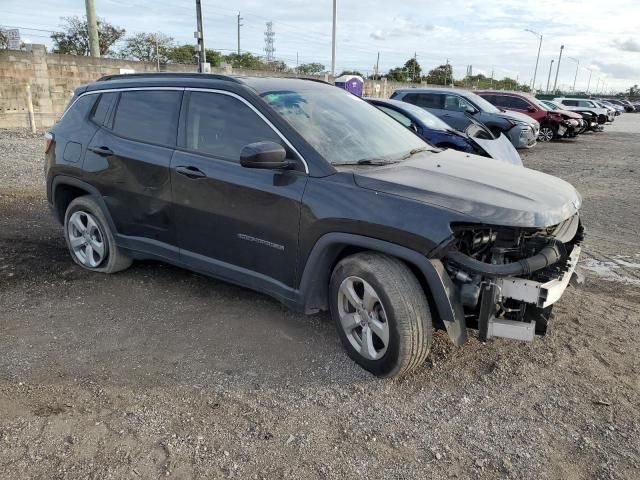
x=377 y=66
x=446 y=74
x=535 y=72
x=598 y=84
x=549 y=77
x=239 y=25
x=296 y=63
x=92 y=24
x=415 y=62
x=492 y=78
x=333 y=42
x=589 y=82
x=157 y=54
x=555 y=82
x=202 y=56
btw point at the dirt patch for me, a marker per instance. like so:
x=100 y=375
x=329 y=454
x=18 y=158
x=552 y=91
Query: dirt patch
x=157 y=371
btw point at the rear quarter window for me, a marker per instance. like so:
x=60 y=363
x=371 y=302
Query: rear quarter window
x=102 y=106
x=148 y=116
x=77 y=112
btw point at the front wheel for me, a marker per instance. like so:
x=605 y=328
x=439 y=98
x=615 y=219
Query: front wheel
x=381 y=313
x=547 y=133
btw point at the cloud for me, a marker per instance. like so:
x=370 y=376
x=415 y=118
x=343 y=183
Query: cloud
x=628 y=45
x=402 y=27
x=618 y=70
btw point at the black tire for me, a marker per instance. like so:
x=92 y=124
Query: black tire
x=404 y=304
x=113 y=259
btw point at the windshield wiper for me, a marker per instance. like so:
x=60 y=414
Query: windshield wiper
x=368 y=161
x=414 y=151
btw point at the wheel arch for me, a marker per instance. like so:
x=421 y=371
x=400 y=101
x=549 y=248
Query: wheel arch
x=65 y=189
x=333 y=247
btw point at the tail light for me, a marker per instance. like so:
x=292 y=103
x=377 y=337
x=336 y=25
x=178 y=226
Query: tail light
x=49 y=139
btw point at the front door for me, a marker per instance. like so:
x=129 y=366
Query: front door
x=233 y=220
x=455 y=112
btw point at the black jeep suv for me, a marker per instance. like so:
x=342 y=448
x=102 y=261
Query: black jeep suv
x=305 y=192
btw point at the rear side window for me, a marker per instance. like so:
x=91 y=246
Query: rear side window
x=221 y=125
x=425 y=100
x=148 y=116
x=515 y=102
x=77 y=112
x=570 y=103
x=101 y=108
x=493 y=99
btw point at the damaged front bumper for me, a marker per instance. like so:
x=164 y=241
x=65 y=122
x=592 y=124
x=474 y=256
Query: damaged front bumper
x=511 y=299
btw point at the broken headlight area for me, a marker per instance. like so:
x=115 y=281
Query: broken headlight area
x=507 y=279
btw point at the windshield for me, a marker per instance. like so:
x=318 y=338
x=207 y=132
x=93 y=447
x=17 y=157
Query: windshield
x=430 y=120
x=480 y=102
x=540 y=104
x=343 y=128
x=551 y=105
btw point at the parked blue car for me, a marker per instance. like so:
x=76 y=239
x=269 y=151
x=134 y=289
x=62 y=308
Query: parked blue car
x=477 y=138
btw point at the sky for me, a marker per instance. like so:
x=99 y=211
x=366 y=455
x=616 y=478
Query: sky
x=602 y=35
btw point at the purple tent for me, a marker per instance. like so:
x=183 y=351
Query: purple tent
x=351 y=83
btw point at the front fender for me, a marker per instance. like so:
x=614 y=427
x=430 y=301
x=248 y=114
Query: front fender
x=314 y=284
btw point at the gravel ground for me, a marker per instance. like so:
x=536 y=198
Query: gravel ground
x=157 y=371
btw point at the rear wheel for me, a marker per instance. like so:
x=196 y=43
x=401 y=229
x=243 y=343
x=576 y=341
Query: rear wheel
x=381 y=313
x=89 y=238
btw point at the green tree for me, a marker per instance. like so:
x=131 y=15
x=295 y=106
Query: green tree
x=182 y=54
x=214 y=57
x=311 y=69
x=441 y=75
x=277 y=66
x=148 y=47
x=3 y=40
x=398 y=74
x=633 y=91
x=73 y=39
x=244 y=60
x=412 y=67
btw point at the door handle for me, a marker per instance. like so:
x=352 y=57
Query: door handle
x=190 y=171
x=102 y=151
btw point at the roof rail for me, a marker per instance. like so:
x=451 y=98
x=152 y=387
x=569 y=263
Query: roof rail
x=204 y=76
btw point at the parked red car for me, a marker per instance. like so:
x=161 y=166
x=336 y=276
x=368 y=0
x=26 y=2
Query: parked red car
x=553 y=123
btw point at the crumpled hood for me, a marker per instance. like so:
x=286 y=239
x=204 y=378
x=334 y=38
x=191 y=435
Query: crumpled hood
x=491 y=192
x=521 y=117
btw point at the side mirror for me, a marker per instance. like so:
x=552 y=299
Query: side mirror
x=532 y=110
x=470 y=110
x=266 y=155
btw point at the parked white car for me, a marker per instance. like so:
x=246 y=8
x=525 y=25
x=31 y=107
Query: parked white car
x=586 y=105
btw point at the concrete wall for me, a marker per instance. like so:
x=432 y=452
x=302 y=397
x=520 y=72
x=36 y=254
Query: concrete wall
x=54 y=77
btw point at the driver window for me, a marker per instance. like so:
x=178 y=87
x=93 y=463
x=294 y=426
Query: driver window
x=404 y=120
x=221 y=125
x=456 y=104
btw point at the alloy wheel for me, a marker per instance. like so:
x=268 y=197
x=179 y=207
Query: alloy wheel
x=363 y=318
x=546 y=134
x=86 y=239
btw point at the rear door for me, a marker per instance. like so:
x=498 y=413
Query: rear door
x=128 y=161
x=233 y=220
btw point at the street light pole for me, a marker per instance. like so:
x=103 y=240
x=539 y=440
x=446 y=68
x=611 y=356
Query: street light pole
x=333 y=42
x=549 y=77
x=555 y=82
x=576 y=76
x=589 y=82
x=535 y=72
